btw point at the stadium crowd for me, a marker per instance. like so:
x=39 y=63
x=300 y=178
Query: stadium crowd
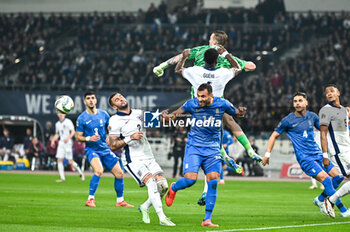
x=119 y=50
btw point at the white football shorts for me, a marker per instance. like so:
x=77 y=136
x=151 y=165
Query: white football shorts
x=64 y=150
x=140 y=168
x=342 y=162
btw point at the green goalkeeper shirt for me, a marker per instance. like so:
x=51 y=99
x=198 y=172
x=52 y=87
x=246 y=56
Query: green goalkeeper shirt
x=197 y=54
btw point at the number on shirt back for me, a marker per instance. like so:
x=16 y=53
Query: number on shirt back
x=96 y=131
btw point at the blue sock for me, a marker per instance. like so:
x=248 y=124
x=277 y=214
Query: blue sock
x=182 y=183
x=119 y=186
x=211 y=198
x=95 y=180
x=336 y=181
x=328 y=186
x=222 y=174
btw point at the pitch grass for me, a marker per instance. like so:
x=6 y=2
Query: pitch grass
x=37 y=203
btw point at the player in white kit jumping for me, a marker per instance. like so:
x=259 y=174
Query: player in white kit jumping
x=65 y=131
x=125 y=131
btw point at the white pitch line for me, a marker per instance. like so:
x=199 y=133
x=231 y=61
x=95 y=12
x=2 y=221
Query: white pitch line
x=282 y=227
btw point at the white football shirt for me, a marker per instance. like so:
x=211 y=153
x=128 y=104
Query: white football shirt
x=64 y=128
x=336 y=118
x=123 y=125
x=217 y=78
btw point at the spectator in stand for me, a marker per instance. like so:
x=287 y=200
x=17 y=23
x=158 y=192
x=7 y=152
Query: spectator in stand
x=51 y=152
x=179 y=139
x=48 y=131
x=36 y=151
x=79 y=153
x=27 y=140
x=6 y=145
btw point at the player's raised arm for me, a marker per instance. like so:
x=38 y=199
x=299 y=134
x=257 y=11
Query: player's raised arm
x=79 y=136
x=115 y=142
x=167 y=117
x=270 y=145
x=181 y=63
x=159 y=70
x=223 y=52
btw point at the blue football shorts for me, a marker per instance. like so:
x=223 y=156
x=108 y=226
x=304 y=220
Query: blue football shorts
x=313 y=165
x=209 y=159
x=107 y=157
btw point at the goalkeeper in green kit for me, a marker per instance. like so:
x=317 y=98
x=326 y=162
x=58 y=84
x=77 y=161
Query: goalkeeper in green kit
x=216 y=39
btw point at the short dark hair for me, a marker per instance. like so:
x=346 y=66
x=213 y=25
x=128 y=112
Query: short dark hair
x=88 y=93
x=110 y=98
x=221 y=37
x=206 y=86
x=211 y=56
x=300 y=94
x=330 y=85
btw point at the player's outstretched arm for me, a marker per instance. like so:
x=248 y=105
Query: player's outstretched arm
x=234 y=64
x=165 y=116
x=270 y=145
x=116 y=142
x=180 y=65
x=159 y=70
x=79 y=136
x=324 y=144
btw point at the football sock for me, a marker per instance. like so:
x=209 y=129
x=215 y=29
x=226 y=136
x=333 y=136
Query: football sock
x=95 y=180
x=154 y=197
x=344 y=190
x=76 y=167
x=336 y=181
x=328 y=186
x=205 y=185
x=119 y=189
x=61 y=170
x=222 y=174
x=242 y=139
x=147 y=204
x=210 y=198
x=182 y=183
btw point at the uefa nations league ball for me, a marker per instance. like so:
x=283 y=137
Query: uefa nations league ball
x=64 y=104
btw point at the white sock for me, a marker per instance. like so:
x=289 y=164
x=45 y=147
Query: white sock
x=205 y=185
x=76 y=167
x=147 y=204
x=91 y=197
x=120 y=199
x=154 y=197
x=313 y=181
x=61 y=170
x=344 y=190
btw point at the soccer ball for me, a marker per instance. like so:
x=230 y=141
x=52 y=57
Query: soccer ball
x=64 y=104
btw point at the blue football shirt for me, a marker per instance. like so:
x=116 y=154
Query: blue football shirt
x=300 y=130
x=94 y=124
x=206 y=122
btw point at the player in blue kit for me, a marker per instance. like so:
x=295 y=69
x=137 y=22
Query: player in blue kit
x=299 y=127
x=203 y=144
x=91 y=129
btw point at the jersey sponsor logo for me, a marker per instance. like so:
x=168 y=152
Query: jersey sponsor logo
x=294 y=125
x=151 y=119
x=88 y=122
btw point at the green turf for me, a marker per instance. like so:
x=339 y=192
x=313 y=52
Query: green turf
x=37 y=203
